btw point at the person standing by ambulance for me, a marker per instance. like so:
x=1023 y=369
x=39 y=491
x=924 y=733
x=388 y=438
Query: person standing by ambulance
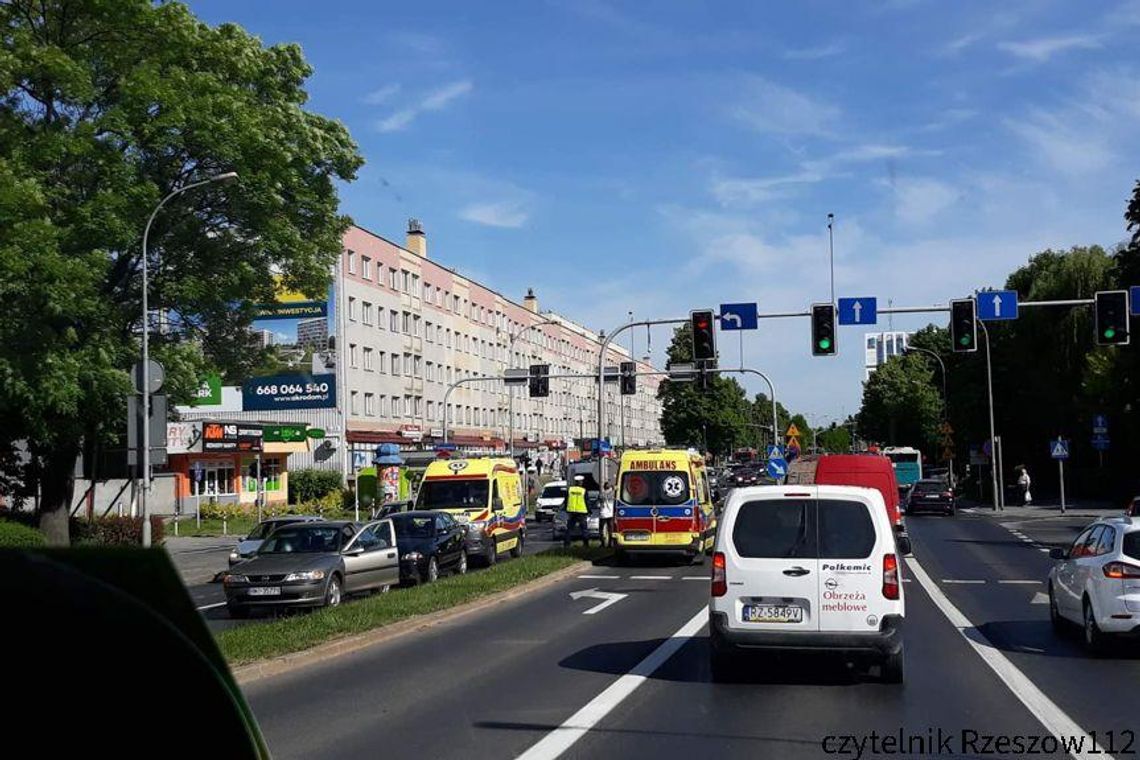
x=606 y=527
x=576 y=512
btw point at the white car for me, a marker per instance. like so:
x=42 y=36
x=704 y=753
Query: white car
x=552 y=499
x=1096 y=581
x=806 y=568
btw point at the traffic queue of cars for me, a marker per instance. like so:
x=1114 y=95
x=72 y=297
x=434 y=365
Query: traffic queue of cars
x=466 y=510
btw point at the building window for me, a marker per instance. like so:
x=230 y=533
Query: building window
x=455 y=304
x=395 y=406
x=439 y=334
x=366 y=313
x=394 y=320
x=366 y=267
x=407 y=323
x=270 y=474
x=407 y=406
x=428 y=332
x=427 y=292
x=352 y=308
x=218 y=479
x=419 y=401
x=368 y=359
x=393 y=279
x=449 y=338
x=407 y=279
x=408 y=365
x=395 y=365
x=380 y=409
x=369 y=405
x=431 y=410
x=351 y=261
x=352 y=354
x=417 y=328
x=353 y=405
x=415 y=285
x=419 y=366
x=438 y=297
x=383 y=358
x=380 y=317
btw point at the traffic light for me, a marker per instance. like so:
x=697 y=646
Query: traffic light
x=704 y=335
x=964 y=325
x=539 y=380
x=628 y=378
x=823 y=330
x=1112 y=318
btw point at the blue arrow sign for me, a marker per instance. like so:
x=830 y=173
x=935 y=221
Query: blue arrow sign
x=1100 y=424
x=738 y=316
x=777 y=468
x=858 y=311
x=995 y=305
x=1133 y=298
x=1059 y=449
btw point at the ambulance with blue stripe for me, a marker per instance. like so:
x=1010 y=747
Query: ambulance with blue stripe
x=663 y=504
x=485 y=495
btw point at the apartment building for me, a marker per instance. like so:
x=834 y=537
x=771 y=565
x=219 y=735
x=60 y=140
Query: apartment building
x=412 y=327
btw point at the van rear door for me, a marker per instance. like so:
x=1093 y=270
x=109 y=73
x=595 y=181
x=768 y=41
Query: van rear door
x=771 y=565
x=851 y=560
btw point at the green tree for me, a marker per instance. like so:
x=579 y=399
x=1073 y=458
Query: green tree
x=717 y=420
x=108 y=106
x=834 y=439
x=901 y=406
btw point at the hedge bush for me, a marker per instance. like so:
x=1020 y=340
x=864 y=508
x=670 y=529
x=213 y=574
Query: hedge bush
x=113 y=530
x=13 y=534
x=311 y=485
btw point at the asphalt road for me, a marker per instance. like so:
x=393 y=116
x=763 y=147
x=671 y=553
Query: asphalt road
x=210 y=598
x=501 y=682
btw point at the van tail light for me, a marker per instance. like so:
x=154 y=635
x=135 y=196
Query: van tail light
x=948 y=494
x=719 y=576
x=890 y=576
x=1121 y=570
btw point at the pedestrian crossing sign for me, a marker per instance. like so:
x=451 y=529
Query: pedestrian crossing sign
x=1059 y=449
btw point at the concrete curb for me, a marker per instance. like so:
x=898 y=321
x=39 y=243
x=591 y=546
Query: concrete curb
x=255 y=671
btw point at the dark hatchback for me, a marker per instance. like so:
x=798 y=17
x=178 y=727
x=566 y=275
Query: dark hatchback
x=931 y=496
x=430 y=542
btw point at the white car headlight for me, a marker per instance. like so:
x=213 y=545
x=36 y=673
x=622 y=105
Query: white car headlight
x=476 y=526
x=412 y=557
x=232 y=578
x=234 y=556
x=307 y=575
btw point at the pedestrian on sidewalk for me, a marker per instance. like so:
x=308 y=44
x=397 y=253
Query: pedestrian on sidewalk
x=606 y=529
x=1023 y=483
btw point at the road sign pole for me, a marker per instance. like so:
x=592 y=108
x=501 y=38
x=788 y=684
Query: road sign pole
x=1061 y=470
x=198 y=502
x=990 y=397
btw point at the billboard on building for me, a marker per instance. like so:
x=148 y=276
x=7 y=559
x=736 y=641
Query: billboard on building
x=289 y=391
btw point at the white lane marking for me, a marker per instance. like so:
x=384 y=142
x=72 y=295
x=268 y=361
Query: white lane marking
x=651 y=577
x=1040 y=598
x=607 y=598
x=211 y=606
x=601 y=577
x=695 y=578
x=1052 y=717
x=577 y=725
x=951 y=580
x=1017 y=582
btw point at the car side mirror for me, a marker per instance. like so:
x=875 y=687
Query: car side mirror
x=1058 y=553
x=354 y=551
x=498 y=505
x=904 y=544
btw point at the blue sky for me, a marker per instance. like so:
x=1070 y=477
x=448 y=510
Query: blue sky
x=659 y=157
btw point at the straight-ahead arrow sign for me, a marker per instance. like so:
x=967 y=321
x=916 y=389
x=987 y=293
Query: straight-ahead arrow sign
x=997 y=304
x=607 y=598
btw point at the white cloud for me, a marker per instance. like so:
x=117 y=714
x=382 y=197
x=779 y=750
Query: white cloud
x=745 y=190
x=958 y=44
x=509 y=214
x=919 y=201
x=435 y=100
x=381 y=95
x=1067 y=145
x=770 y=107
x=815 y=53
x=1044 y=48
x=1125 y=14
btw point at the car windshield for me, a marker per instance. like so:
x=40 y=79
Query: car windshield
x=554 y=492
x=413 y=526
x=464 y=493
x=654 y=487
x=265 y=528
x=303 y=539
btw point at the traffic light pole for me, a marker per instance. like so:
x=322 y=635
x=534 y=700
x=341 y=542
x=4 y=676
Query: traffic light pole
x=990 y=396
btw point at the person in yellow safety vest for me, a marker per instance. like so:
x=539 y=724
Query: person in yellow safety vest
x=576 y=512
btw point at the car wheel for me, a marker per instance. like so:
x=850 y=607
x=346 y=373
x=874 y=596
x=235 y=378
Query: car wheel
x=491 y=553
x=432 y=574
x=461 y=567
x=1055 y=612
x=237 y=611
x=333 y=592
x=1094 y=639
x=891 y=668
x=516 y=551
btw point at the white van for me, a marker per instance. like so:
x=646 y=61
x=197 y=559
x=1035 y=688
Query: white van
x=806 y=568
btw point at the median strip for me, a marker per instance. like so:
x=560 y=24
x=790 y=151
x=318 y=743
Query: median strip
x=360 y=623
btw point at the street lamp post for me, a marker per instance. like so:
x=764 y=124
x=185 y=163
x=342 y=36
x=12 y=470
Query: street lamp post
x=225 y=177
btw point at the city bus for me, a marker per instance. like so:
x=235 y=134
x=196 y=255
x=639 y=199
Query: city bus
x=907 y=462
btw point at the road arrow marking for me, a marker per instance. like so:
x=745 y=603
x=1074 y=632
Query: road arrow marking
x=858 y=309
x=1040 y=598
x=607 y=598
x=997 y=306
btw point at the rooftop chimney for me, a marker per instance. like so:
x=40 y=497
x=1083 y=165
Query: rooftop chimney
x=531 y=300
x=417 y=240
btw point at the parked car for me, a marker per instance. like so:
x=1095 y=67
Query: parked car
x=248 y=546
x=314 y=564
x=1096 y=581
x=552 y=497
x=932 y=495
x=430 y=542
x=806 y=568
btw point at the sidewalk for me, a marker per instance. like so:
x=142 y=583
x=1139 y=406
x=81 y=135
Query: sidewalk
x=1079 y=508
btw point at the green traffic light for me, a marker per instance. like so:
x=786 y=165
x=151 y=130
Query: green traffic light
x=1110 y=332
x=824 y=343
x=964 y=340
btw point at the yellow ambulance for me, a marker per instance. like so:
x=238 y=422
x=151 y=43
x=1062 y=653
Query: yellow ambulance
x=485 y=495
x=663 y=504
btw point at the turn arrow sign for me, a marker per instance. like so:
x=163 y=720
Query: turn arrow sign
x=607 y=598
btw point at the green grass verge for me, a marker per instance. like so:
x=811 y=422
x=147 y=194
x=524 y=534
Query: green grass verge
x=295 y=633
x=187 y=526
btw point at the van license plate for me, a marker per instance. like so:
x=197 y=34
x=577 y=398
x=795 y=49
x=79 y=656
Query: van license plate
x=772 y=613
x=636 y=536
x=265 y=591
